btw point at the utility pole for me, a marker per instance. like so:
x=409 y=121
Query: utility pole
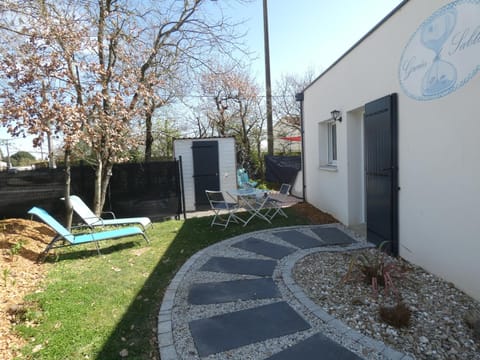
x=268 y=84
x=6 y=143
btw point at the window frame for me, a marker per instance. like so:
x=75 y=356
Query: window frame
x=332 y=143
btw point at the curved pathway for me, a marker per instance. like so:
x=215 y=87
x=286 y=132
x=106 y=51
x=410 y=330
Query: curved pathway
x=237 y=299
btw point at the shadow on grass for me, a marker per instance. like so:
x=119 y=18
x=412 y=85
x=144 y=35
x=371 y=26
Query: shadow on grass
x=73 y=254
x=139 y=323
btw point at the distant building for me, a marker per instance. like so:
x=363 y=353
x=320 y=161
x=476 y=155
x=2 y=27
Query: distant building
x=3 y=166
x=286 y=133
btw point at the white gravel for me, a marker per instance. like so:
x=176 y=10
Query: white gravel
x=438 y=329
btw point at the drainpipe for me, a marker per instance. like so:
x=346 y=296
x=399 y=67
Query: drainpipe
x=299 y=97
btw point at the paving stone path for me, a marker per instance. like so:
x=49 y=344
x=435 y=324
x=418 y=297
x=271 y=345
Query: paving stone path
x=237 y=300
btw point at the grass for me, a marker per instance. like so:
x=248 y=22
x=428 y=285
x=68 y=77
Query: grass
x=95 y=307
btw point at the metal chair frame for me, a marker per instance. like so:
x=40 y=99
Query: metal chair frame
x=225 y=212
x=275 y=202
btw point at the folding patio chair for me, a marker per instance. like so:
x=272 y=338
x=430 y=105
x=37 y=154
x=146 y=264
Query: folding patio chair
x=68 y=239
x=224 y=210
x=258 y=206
x=275 y=202
x=92 y=220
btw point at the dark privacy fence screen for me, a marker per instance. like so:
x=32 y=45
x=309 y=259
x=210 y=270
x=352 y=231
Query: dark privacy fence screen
x=137 y=189
x=282 y=169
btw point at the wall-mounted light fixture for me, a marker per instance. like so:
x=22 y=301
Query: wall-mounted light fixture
x=336 y=115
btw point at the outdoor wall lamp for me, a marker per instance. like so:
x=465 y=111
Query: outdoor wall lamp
x=336 y=115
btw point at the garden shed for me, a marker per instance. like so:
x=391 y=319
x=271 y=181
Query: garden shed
x=207 y=164
x=391 y=137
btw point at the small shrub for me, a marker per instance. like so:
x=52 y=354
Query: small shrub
x=15 y=248
x=373 y=266
x=5 y=275
x=472 y=319
x=397 y=316
x=29 y=313
x=375 y=269
x=17 y=313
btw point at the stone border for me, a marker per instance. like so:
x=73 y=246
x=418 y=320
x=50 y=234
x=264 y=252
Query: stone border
x=166 y=345
x=165 y=327
x=338 y=326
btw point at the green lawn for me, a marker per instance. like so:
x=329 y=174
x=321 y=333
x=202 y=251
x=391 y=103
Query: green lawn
x=94 y=307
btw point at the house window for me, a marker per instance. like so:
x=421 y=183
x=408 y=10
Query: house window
x=327 y=139
x=332 y=143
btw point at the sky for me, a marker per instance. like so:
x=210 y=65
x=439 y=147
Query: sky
x=304 y=35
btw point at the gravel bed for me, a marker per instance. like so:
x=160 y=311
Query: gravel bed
x=437 y=329
x=182 y=312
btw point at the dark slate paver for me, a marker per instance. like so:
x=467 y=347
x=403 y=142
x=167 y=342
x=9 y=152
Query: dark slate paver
x=317 y=347
x=226 y=291
x=298 y=239
x=240 y=266
x=333 y=236
x=264 y=248
x=240 y=328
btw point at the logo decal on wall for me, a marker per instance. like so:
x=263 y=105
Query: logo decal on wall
x=444 y=53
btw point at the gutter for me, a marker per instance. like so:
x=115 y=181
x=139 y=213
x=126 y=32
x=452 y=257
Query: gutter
x=300 y=97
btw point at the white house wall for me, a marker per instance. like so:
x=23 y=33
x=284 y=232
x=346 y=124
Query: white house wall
x=439 y=151
x=226 y=164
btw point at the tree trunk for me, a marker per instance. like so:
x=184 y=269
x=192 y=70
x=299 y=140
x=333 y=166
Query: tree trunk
x=106 y=175
x=97 y=203
x=103 y=173
x=148 y=137
x=261 y=169
x=68 y=204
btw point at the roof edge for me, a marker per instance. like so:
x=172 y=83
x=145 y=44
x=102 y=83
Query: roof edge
x=380 y=23
x=205 y=138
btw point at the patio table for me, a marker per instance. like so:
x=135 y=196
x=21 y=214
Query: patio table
x=253 y=200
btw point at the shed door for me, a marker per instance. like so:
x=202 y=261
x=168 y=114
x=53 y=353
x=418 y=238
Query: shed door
x=205 y=170
x=381 y=172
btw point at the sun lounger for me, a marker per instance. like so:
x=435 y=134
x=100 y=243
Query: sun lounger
x=65 y=238
x=92 y=220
